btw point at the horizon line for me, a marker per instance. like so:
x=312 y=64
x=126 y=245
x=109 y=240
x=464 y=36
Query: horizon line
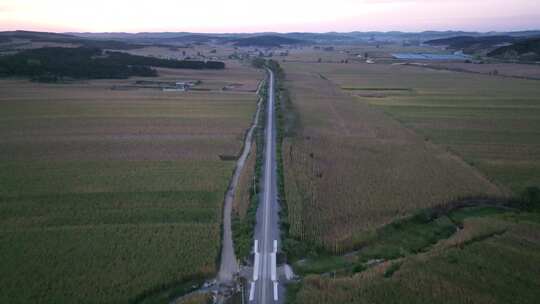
x=273 y=32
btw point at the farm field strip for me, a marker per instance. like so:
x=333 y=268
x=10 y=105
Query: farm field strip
x=492 y=122
x=352 y=168
x=95 y=182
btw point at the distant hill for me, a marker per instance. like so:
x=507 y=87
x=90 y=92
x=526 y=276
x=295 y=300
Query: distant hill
x=37 y=36
x=267 y=41
x=194 y=38
x=471 y=44
x=130 y=36
x=525 y=50
x=65 y=38
x=133 y=40
x=329 y=37
x=319 y=37
x=182 y=39
x=162 y=37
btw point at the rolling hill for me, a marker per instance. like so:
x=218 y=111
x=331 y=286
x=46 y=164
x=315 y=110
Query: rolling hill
x=525 y=50
x=30 y=36
x=328 y=37
x=267 y=41
x=470 y=44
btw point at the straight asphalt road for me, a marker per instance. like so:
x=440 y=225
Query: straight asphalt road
x=264 y=286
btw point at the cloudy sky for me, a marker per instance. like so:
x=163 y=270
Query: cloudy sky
x=276 y=15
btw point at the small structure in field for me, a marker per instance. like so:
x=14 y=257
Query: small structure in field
x=180 y=86
x=431 y=57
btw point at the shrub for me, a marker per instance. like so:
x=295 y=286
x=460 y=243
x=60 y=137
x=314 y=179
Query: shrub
x=392 y=269
x=531 y=198
x=359 y=268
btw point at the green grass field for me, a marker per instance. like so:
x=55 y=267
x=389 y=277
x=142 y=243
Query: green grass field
x=112 y=196
x=105 y=231
x=493 y=258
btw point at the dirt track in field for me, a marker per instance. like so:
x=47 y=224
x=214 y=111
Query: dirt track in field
x=229 y=266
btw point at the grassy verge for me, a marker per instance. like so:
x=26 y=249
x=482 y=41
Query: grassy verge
x=399 y=239
x=244 y=226
x=435 y=248
x=167 y=293
x=279 y=109
x=494 y=259
x=404 y=237
x=200 y=298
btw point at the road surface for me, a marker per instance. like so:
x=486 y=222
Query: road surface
x=264 y=286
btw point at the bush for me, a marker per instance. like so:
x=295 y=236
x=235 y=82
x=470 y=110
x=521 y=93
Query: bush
x=359 y=268
x=531 y=198
x=392 y=269
x=423 y=217
x=258 y=63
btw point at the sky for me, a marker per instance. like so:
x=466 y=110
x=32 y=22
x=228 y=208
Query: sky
x=226 y=16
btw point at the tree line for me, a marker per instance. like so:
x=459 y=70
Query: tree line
x=56 y=63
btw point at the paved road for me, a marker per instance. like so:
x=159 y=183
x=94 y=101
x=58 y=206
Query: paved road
x=264 y=286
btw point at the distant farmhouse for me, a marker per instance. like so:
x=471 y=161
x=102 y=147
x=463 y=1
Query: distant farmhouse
x=181 y=86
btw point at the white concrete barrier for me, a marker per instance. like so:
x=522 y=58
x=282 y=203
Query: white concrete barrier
x=273 y=271
x=252 y=292
x=256 y=267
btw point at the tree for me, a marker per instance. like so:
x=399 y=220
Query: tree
x=258 y=63
x=54 y=64
x=531 y=198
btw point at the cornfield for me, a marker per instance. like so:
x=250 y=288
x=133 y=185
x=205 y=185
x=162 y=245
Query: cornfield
x=352 y=169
